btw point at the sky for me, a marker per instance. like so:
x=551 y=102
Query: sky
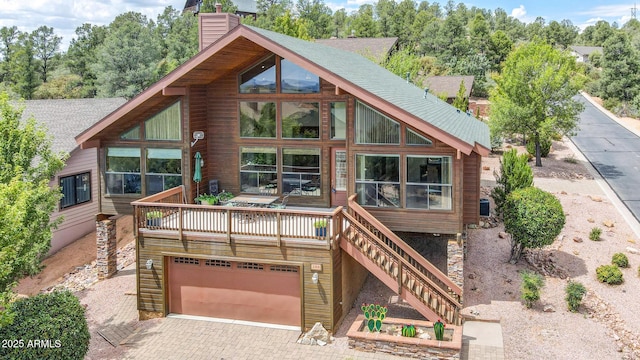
x=66 y=15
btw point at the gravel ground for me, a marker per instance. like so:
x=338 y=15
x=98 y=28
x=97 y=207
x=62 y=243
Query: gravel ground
x=606 y=326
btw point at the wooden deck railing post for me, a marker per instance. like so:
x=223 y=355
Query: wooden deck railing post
x=279 y=228
x=399 y=276
x=229 y=216
x=180 y=224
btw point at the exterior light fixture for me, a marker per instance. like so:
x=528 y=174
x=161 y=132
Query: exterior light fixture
x=197 y=135
x=149 y=264
x=314 y=278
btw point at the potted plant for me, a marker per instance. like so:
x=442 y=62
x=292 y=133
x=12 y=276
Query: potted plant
x=154 y=218
x=224 y=196
x=207 y=199
x=321 y=227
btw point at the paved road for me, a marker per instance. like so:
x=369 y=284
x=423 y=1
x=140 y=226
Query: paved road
x=614 y=151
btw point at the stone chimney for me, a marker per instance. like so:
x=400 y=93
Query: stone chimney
x=212 y=27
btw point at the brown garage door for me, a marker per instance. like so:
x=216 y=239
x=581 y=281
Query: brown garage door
x=235 y=290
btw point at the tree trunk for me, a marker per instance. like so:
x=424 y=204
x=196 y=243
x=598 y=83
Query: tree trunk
x=516 y=251
x=538 y=152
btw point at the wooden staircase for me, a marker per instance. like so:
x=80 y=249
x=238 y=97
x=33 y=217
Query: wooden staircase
x=400 y=267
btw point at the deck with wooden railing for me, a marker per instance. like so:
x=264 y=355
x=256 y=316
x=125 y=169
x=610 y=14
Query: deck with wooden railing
x=394 y=262
x=270 y=226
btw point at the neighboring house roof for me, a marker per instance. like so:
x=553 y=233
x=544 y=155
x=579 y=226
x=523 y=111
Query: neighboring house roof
x=348 y=71
x=585 y=50
x=246 y=6
x=449 y=85
x=377 y=49
x=66 y=118
x=243 y=6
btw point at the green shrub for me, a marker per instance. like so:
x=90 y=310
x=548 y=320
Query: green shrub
x=595 y=234
x=575 y=292
x=533 y=218
x=545 y=147
x=611 y=104
x=620 y=260
x=56 y=320
x=515 y=174
x=531 y=284
x=609 y=274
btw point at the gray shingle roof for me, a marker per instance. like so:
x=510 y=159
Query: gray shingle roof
x=585 y=50
x=376 y=48
x=66 y=118
x=449 y=84
x=385 y=85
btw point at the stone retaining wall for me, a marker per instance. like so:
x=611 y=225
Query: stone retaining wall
x=405 y=346
x=455 y=261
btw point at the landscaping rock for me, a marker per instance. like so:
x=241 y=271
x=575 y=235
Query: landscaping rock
x=633 y=250
x=549 y=308
x=608 y=223
x=596 y=198
x=577 y=239
x=317 y=335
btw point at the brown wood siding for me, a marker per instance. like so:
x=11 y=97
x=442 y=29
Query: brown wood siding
x=223 y=134
x=471 y=188
x=317 y=298
x=79 y=220
x=196 y=120
x=337 y=286
x=353 y=277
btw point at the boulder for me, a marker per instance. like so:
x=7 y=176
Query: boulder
x=317 y=335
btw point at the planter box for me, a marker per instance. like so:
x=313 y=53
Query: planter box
x=321 y=231
x=154 y=222
x=412 y=347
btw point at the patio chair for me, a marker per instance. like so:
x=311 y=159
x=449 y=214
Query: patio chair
x=283 y=202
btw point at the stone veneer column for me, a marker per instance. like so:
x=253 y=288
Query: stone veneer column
x=106 y=244
x=455 y=260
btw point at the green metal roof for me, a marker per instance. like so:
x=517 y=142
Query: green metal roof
x=389 y=87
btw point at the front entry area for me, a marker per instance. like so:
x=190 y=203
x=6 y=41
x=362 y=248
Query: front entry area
x=248 y=291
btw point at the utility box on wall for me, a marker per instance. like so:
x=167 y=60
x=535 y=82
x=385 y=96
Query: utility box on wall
x=484 y=207
x=213 y=187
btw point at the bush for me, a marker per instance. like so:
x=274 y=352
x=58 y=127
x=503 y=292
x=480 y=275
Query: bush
x=533 y=218
x=531 y=284
x=620 y=260
x=545 y=147
x=575 y=292
x=56 y=320
x=595 y=234
x=609 y=274
x=515 y=174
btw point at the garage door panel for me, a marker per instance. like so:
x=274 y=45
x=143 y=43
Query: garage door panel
x=260 y=295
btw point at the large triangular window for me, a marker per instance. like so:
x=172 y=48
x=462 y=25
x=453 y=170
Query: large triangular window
x=165 y=125
x=296 y=80
x=260 y=79
x=414 y=138
x=372 y=127
x=131 y=134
